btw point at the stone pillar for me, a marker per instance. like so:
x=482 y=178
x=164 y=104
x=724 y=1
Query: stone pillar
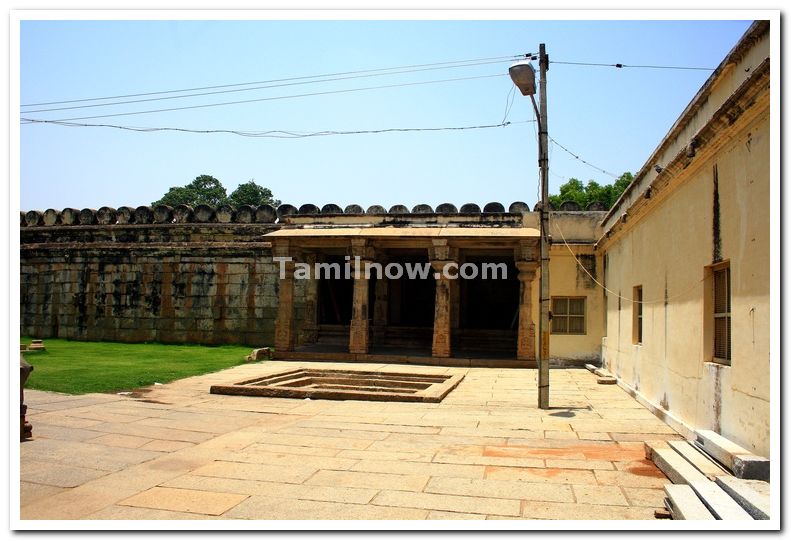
x=284 y=323
x=309 y=333
x=441 y=344
x=526 y=340
x=359 y=327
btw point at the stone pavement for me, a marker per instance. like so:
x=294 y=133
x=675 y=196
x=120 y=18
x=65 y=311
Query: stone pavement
x=484 y=452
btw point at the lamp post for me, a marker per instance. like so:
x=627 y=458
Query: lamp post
x=524 y=77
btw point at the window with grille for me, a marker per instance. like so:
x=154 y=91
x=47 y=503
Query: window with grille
x=568 y=315
x=637 y=315
x=722 y=315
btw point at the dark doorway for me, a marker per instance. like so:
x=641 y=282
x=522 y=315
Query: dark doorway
x=489 y=309
x=412 y=301
x=490 y=303
x=335 y=295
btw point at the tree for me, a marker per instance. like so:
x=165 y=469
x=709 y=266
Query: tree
x=205 y=189
x=583 y=195
x=250 y=193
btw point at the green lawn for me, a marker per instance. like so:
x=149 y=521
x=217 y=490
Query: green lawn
x=99 y=367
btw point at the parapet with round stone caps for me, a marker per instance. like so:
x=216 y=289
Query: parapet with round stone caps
x=308 y=208
x=331 y=208
x=286 y=210
x=447 y=208
x=518 y=206
x=163 y=214
x=204 y=214
x=70 y=216
x=144 y=215
x=422 y=209
x=494 y=206
x=33 y=218
x=470 y=208
x=106 y=216
x=125 y=215
x=247 y=214
x=183 y=214
x=225 y=214
x=596 y=205
x=51 y=217
x=265 y=214
x=570 y=206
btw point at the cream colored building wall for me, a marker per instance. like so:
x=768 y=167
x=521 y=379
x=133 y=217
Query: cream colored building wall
x=568 y=279
x=666 y=251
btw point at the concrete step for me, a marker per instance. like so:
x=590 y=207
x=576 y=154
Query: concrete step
x=700 y=460
x=737 y=459
x=718 y=502
x=682 y=472
x=684 y=504
x=673 y=464
x=752 y=495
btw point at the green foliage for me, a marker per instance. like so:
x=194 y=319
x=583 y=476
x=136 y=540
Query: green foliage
x=250 y=193
x=583 y=195
x=205 y=189
x=100 y=367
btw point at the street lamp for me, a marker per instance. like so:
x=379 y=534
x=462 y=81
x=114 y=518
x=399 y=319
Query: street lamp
x=524 y=77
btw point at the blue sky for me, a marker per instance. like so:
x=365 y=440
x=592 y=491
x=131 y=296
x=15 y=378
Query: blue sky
x=611 y=118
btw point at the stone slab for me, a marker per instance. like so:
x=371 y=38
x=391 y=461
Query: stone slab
x=188 y=501
x=702 y=462
x=718 y=502
x=684 y=504
x=753 y=496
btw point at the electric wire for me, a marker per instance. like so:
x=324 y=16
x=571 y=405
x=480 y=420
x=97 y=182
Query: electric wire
x=620 y=66
x=271 y=98
x=577 y=157
x=613 y=293
x=278 y=85
x=286 y=79
x=274 y=134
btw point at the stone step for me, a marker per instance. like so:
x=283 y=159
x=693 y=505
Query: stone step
x=737 y=459
x=718 y=502
x=673 y=464
x=605 y=380
x=700 y=460
x=684 y=504
x=752 y=495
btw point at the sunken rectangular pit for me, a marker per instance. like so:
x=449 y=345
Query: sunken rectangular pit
x=346 y=385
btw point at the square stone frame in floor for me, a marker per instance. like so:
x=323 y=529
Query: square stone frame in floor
x=329 y=384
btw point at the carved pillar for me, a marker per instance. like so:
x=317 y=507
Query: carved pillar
x=284 y=323
x=440 y=346
x=358 y=329
x=442 y=254
x=526 y=340
x=309 y=333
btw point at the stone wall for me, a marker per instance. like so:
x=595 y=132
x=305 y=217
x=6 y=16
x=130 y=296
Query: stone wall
x=172 y=283
x=184 y=275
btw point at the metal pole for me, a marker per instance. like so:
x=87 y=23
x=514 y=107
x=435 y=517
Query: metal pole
x=543 y=160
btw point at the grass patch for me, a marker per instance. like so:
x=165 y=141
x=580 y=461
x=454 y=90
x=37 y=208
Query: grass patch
x=99 y=367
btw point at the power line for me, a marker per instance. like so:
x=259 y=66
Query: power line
x=482 y=60
x=577 y=157
x=631 y=66
x=274 y=134
x=279 y=85
x=398 y=85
